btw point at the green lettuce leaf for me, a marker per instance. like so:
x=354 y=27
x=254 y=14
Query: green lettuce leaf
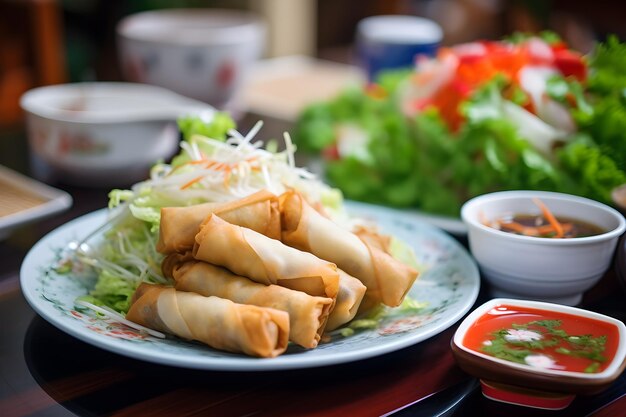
x=216 y=127
x=593 y=172
x=112 y=291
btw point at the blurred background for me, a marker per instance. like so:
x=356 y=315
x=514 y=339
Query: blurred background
x=46 y=42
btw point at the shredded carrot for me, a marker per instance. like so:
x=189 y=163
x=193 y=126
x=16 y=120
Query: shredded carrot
x=520 y=228
x=190 y=183
x=483 y=218
x=195 y=162
x=220 y=166
x=554 y=226
x=547 y=228
x=550 y=217
x=533 y=231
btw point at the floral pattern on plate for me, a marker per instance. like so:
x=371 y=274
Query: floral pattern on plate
x=448 y=285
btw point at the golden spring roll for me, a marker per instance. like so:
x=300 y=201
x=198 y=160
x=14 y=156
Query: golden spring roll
x=219 y=323
x=351 y=292
x=373 y=238
x=307 y=314
x=367 y=305
x=264 y=260
x=179 y=225
x=387 y=279
x=173 y=261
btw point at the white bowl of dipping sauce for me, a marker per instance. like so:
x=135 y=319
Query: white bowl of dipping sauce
x=551 y=269
x=103 y=134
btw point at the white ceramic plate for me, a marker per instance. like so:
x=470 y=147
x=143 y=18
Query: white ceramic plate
x=449 y=284
x=452 y=225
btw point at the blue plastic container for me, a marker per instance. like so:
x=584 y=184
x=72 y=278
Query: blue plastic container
x=394 y=41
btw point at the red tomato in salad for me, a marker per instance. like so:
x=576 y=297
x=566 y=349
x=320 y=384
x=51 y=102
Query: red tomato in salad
x=449 y=79
x=571 y=64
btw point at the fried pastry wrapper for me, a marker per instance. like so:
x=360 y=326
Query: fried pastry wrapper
x=387 y=279
x=307 y=314
x=179 y=225
x=217 y=322
x=264 y=260
x=351 y=292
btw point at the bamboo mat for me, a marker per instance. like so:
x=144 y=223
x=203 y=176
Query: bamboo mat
x=14 y=199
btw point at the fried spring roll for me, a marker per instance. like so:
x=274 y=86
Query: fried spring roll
x=307 y=314
x=387 y=279
x=179 y=225
x=351 y=292
x=373 y=238
x=264 y=260
x=219 y=323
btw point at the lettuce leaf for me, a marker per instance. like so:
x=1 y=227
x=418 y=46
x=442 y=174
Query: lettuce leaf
x=215 y=126
x=607 y=64
x=112 y=291
x=606 y=122
x=419 y=162
x=594 y=174
x=127 y=256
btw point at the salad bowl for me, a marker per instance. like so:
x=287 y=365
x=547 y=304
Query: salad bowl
x=507 y=344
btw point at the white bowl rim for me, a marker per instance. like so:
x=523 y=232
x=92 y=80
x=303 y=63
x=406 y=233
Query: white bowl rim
x=248 y=26
x=506 y=195
x=620 y=353
x=395 y=29
x=31 y=102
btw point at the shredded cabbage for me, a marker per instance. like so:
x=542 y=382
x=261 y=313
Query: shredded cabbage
x=207 y=169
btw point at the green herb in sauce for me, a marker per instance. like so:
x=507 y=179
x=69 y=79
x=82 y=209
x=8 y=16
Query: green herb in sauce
x=545 y=337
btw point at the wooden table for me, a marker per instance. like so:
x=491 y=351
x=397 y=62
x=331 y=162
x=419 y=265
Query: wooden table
x=45 y=372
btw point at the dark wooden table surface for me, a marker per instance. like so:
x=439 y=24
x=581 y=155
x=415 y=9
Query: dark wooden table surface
x=45 y=372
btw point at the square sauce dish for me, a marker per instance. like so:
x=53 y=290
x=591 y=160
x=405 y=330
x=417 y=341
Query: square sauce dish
x=538 y=354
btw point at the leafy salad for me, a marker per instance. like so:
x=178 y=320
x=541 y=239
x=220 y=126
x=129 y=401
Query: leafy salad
x=216 y=164
x=522 y=113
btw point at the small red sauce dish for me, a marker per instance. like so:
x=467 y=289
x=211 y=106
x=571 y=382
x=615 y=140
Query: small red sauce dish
x=539 y=354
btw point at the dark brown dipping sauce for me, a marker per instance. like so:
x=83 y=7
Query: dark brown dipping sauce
x=538 y=226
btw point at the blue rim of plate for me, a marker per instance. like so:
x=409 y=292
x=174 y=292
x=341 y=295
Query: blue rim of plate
x=452 y=225
x=450 y=282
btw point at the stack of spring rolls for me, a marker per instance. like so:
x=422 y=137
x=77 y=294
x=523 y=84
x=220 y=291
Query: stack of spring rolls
x=251 y=275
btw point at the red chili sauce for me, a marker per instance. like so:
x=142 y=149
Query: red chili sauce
x=544 y=339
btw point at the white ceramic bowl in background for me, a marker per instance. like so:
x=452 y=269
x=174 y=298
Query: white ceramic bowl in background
x=557 y=270
x=200 y=53
x=103 y=134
